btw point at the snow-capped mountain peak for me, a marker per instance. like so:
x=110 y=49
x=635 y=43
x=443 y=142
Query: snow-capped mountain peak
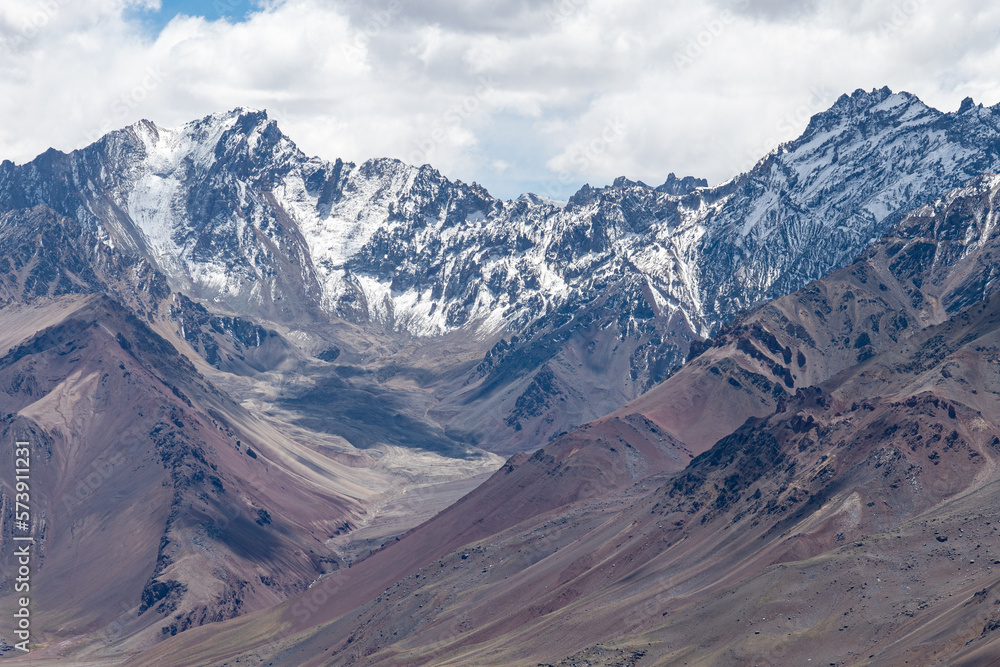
x=232 y=211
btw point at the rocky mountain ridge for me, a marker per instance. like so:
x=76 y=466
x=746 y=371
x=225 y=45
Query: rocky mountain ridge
x=269 y=332
x=543 y=316
x=850 y=518
x=231 y=211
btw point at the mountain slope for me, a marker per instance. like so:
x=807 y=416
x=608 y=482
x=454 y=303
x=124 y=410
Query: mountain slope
x=563 y=313
x=604 y=543
x=212 y=295
x=213 y=523
x=840 y=527
x=811 y=533
x=938 y=260
x=206 y=510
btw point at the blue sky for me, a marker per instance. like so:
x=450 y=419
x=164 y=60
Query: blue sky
x=517 y=95
x=212 y=10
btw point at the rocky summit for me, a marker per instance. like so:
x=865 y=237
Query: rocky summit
x=232 y=213
x=317 y=412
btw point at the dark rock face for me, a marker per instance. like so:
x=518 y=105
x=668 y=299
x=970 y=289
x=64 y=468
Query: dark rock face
x=890 y=460
x=229 y=208
x=229 y=343
x=231 y=212
x=874 y=381
x=43 y=254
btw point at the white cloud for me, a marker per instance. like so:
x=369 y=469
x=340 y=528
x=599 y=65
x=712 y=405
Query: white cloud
x=519 y=94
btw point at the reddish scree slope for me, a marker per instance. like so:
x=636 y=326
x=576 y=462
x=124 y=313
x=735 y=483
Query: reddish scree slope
x=860 y=520
x=141 y=462
x=917 y=278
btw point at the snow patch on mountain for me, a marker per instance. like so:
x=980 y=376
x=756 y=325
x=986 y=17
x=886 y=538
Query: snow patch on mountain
x=230 y=209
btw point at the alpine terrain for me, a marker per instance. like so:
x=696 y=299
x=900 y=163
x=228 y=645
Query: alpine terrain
x=317 y=412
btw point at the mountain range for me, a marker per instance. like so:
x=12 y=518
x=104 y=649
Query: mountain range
x=363 y=414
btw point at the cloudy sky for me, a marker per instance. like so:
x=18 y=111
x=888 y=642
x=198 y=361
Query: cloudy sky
x=518 y=95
